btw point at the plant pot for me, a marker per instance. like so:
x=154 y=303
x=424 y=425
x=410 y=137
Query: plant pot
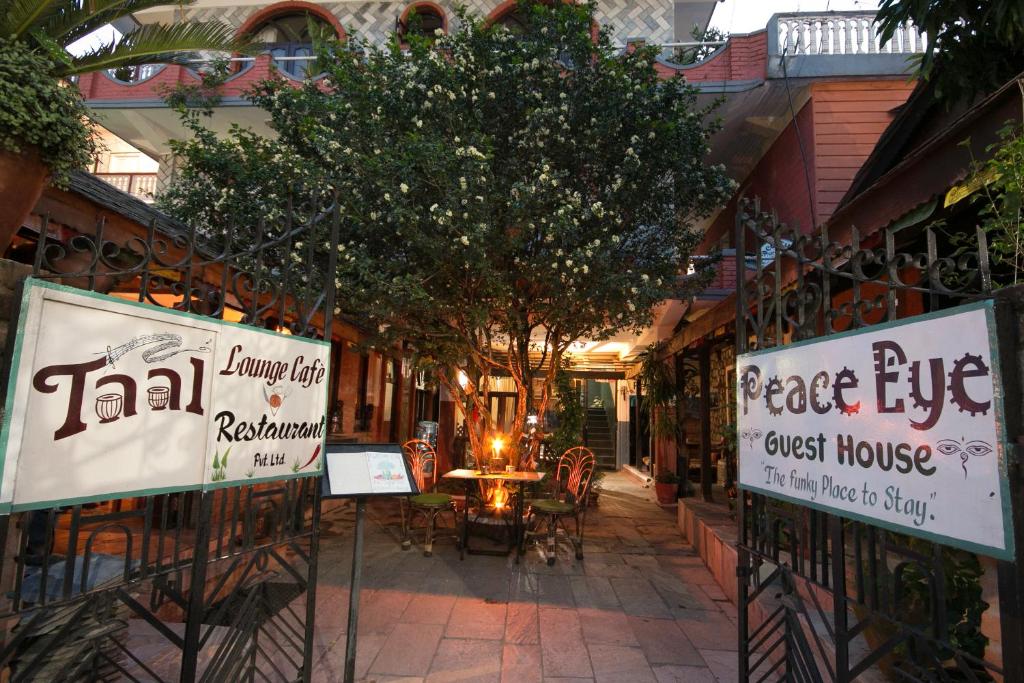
x=666 y=492
x=22 y=179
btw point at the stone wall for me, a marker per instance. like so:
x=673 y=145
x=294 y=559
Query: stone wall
x=11 y=273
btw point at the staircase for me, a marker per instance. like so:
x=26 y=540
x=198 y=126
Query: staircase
x=599 y=438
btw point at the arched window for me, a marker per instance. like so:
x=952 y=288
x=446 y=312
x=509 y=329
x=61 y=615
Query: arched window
x=514 y=19
x=422 y=19
x=287 y=33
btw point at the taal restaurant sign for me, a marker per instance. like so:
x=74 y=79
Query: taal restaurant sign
x=110 y=398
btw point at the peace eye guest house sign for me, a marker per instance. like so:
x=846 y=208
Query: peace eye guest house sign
x=899 y=425
x=109 y=398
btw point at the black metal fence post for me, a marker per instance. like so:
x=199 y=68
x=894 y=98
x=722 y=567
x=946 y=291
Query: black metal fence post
x=197 y=590
x=353 y=594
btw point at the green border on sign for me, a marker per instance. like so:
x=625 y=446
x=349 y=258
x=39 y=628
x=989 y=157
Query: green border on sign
x=1006 y=553
x=29 y=286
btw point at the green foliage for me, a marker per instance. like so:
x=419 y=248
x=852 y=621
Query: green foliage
x=36 y=110
x=1002 y=202
x=698 y=53
x=50 y=26
x=667 y=477
x=571 y=416
x=202 y=96
x=975 y=46
x=964 y=606
x=659 y=393
x=220 y=466
x=730 y=439
x=501 y=194
x=239 y=184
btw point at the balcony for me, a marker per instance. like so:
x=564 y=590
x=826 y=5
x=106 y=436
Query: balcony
x=139 y=185
x=838 y=44
x=803 y=46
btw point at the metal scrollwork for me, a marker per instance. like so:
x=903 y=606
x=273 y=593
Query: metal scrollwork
x=234 y=558
x=807 y=567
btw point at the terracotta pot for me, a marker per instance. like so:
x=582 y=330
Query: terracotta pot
x=22 y=179
x=666 y=492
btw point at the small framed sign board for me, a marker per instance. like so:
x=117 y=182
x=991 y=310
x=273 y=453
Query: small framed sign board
x=362 y=469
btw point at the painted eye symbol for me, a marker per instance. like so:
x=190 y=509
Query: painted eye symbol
x=978 y=448
x=755 y=434
x=948 y=447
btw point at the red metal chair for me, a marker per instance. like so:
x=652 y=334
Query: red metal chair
x=572 y=481
x=422 y=461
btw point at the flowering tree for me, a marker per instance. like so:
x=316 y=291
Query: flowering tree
x=503 y=195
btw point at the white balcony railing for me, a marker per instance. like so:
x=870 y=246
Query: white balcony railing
x=139 y=185
x=842 y=34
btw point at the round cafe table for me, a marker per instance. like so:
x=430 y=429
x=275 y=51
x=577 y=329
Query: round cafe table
x=472 y=477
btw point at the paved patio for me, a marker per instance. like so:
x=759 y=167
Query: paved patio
x=639 y=607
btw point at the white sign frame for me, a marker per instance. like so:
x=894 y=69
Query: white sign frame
x=342 y=458
x=191 y=439
x=976 y=321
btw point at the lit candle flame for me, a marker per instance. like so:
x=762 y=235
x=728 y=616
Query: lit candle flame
x=498 y=444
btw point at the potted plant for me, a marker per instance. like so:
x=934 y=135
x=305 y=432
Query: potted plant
x=730 y=440
x=666 y=484
x=44 y=133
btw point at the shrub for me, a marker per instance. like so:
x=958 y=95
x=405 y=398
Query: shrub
x=39 y=111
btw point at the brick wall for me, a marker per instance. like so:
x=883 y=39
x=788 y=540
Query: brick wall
x=98 y=86
x=744 y=58
x=849 y=117
x=839 y=127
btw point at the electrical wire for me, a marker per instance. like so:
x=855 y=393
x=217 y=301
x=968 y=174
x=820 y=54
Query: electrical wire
x=799 y=137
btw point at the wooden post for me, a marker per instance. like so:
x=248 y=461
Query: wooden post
x=705 y=421
x=682 y=456
x=642 y=429
x=1009 y=312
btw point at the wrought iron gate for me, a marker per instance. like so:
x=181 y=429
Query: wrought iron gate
x=823 y=598
x=211 y=586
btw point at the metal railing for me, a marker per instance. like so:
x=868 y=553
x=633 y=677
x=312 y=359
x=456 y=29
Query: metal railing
x=142 y=72
x=842 y=33
x=139 y=185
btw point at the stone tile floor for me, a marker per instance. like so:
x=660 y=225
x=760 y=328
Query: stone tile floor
x=640 y=607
